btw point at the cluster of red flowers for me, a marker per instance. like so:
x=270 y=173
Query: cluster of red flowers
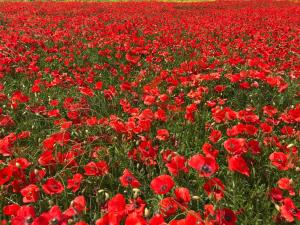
x=149 y=113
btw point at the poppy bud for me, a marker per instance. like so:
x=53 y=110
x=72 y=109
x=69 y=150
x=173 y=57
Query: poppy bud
x=106 y=196
x=51 y=203
x=290 y=145
x=136 y=192
x=146 y=212
x=196 y=197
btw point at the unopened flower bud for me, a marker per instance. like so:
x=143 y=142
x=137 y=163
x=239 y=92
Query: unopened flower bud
x=196 y=197
x=136 y=192
x=106 y=196
x=146 y=212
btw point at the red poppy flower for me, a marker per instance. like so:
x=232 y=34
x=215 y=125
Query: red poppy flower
x=98 y=85
x=266 y=128
x=109 y=219
x=182 y=195
x=157 y=219
x=162 y=184
x=162 y=134
x=86 y=91
x=254 y=147
x=127 y=179
x=176 y=164
x=5 y=174
x=214 y=187
x=209 y=151
x=226 y=217
x=117 y=204
x=149 y=100
x=25 y=215
x=52 y=187
x=286 y=184
x=135 y=219
x=269 y=110
x=37 y=175
x=189 y=112
x=79 y=204
x=74 y=183
x=235 y=146
x=193 y=218
x=20 y=163
x=160 y=114
x=206 y=166
x=47 y=158
x=289 y=211
x=136 y=205
x=238 y=164
x=96 y=168
x=168 y=206
x=53 y=216
x=5 y=146
x=215 y=136
x=276 y=194
x=30 y=193
x=11 y=210
x=280 y=160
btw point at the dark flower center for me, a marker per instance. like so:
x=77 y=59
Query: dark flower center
x=293 y=211
x=129 y=179
x=227 y=217
x=54 y=187
x=54 y=221
x=163 y=188
x=29 y=220
x=206 y=168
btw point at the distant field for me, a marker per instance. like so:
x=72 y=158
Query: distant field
x=150 y=113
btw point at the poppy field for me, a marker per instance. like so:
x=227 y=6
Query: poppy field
x=150 y=113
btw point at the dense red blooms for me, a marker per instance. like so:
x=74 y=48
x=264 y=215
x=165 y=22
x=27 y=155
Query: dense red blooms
x=289 y=211
x=96 y=168
x=74 y=182
x=182 y=195
x=177 y=164
x=286 y=184
x=162 y=184
x=117 y=205
x=206 y=166
x=149 y=113
x=53 y=186
x=168 y=206
x=30 y=193
x=134 y=219
x=5 y=175
x=235 y=145
x=276 y=194
x=162 y=134
x=238 y=164
x=280 y=160
x=25 y=215
x=127 y=179
x=214 y=187
x=226 y=217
